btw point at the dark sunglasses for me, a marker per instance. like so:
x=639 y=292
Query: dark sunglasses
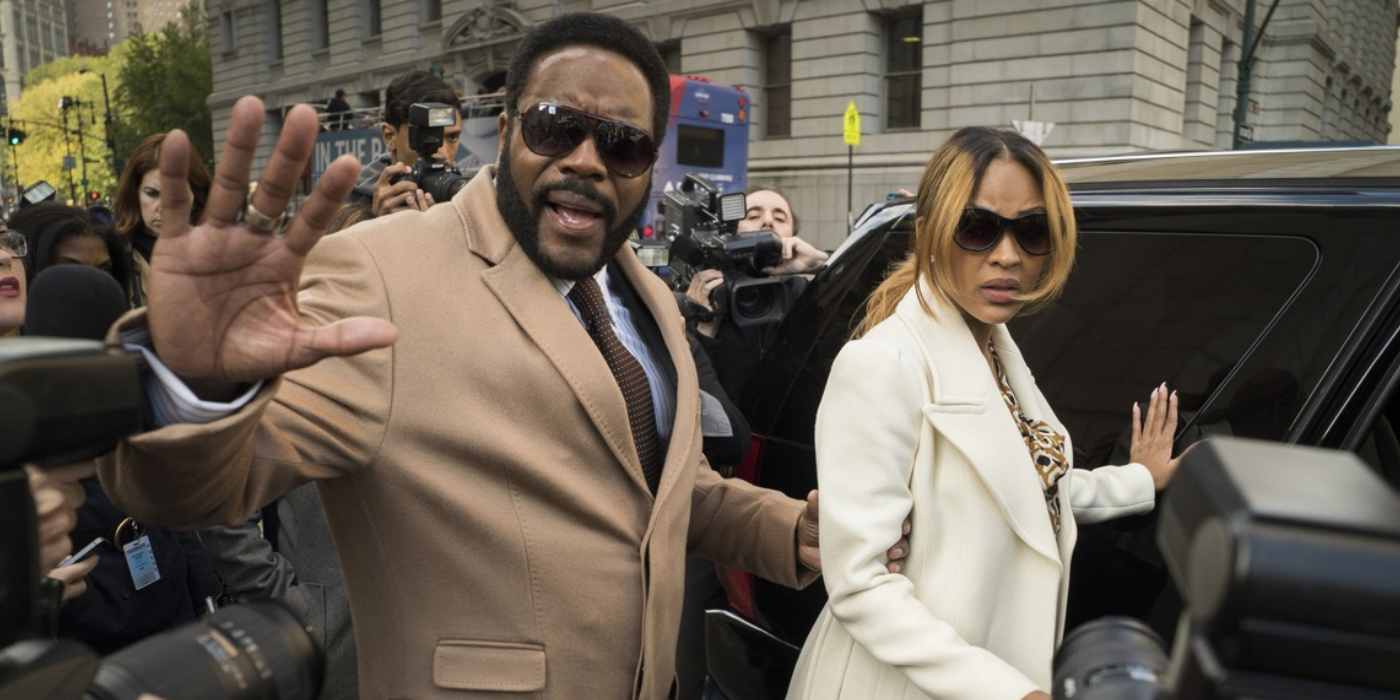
x=551 y=130
x=980 y=229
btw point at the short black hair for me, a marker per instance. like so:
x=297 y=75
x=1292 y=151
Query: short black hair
x=415 y=86
x=604 y=31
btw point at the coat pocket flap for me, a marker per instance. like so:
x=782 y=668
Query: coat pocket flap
x=498 y=666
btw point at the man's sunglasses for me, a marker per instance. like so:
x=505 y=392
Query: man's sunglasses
x=551 y=130
x=980 y=229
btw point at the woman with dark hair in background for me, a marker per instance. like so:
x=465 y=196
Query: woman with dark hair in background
x=58 y=234
x=137 y=205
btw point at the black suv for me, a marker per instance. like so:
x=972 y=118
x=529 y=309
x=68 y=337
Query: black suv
x=1263 y=285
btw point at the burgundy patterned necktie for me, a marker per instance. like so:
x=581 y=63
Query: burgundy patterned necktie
x=628 y=372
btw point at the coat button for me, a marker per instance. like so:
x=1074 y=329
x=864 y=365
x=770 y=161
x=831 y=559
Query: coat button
x=126 y=593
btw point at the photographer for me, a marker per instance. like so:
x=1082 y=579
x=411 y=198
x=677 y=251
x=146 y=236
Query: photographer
x=734 y=350
x=376 y=185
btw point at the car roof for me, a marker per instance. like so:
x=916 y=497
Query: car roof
x=1318 y=165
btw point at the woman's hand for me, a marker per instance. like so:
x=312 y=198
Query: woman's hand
x=57 y=497
x=1153 y=436
x=73 y=577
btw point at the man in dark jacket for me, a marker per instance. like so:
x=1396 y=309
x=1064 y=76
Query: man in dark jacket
x=338 y=112
x=375 y=187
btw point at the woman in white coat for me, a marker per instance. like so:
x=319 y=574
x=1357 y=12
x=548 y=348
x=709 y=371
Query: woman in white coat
x=932 y=411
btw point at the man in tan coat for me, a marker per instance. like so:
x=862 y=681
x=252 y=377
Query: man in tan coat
x=511 y=523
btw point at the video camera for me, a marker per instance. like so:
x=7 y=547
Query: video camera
x=1288 y=558
x=426 y=124
x=702 y=225
x=66 y=400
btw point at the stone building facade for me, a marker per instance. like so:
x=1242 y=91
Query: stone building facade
x=32 y=33
x=1113 y=76
x=95 y=26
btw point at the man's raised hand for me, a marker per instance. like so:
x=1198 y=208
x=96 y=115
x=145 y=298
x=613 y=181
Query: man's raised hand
x=223 y=306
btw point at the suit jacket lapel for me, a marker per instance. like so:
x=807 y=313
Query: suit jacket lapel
x=532 y=301
x=969 y=412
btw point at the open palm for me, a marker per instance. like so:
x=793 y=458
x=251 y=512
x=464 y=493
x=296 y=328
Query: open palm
x=223 y=306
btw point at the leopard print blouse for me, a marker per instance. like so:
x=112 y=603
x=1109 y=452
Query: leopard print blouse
x=1047 y=447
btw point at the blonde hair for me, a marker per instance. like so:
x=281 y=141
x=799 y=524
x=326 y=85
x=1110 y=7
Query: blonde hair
x=949 y=182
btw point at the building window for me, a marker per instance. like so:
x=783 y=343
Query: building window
x=320 y=25
x=432 y=10
x=374 y=17
x=671 y=55
x=904 y=42
x=274 y=16
x=777 y=83
x=227 y=39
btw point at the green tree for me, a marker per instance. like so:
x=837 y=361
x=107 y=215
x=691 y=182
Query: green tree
x=52 y=133
x=165 y=83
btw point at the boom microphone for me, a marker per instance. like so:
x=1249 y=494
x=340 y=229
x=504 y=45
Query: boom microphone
x=73 y=301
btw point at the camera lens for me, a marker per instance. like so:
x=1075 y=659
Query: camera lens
x=1112 y=658
x=757 y=301
x=257 y=651
x=443 y=185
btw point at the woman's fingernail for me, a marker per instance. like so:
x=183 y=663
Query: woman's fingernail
x=897 y=553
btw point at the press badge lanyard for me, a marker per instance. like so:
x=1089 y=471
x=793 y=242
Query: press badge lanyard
x=140 y=559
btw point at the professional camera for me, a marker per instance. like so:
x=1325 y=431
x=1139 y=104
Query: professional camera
x=66 y=400
x=701 y=223
x=1288 y=559
x=426 y=122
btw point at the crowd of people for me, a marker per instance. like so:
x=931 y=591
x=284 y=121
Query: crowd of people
x=485 y=433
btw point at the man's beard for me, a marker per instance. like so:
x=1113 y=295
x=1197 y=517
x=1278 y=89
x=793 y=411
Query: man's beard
x=524 y=219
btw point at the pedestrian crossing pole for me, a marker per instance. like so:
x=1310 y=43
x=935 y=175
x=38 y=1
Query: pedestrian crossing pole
x=851 y=134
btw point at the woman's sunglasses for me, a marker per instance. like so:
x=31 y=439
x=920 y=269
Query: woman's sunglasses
x=980 y=229
x=551 y=130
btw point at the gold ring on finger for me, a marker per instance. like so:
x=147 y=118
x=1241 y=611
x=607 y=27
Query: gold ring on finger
x=260 y=222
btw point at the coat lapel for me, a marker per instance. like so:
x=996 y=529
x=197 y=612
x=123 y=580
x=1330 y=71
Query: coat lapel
x=968 y=411
x=537 y=307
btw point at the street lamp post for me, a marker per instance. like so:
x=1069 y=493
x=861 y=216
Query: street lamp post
x=110 y=128
x=64 y=103
x=1243 y=131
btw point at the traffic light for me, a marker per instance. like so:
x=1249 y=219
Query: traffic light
x=94 y=196
x=15 y=136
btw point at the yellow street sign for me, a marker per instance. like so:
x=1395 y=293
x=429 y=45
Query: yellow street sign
x=852 y=125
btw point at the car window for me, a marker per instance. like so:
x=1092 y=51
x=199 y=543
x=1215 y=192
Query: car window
x=1142 y=309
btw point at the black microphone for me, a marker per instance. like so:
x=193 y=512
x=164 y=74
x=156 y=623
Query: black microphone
x=686 y=249
x=73 y=301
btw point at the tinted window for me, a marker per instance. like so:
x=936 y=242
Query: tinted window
x=699 y=146
x=1143 y=309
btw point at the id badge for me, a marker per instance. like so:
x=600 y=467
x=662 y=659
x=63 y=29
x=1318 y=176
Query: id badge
x=142 y=562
